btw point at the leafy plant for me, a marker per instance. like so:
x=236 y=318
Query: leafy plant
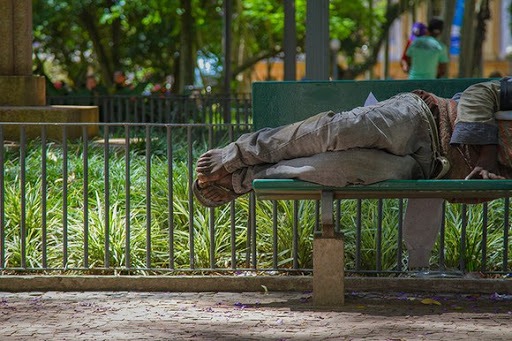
x=80 y=218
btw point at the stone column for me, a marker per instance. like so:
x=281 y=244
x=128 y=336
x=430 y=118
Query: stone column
x=17 y=84
x=22 y=94
x=16 y=33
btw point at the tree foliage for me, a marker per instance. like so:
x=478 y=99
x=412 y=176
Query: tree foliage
x=107 y=35
x=155 y=38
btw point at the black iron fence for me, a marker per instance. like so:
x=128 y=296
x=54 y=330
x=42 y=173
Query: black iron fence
x=196 y=108
x=121 y=202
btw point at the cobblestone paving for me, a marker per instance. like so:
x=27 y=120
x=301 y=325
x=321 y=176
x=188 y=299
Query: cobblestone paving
x=251 y=316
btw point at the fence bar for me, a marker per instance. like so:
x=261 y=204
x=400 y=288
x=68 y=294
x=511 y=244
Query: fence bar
x=44 y=195
x=462 y=260
x=484 y=236
x=127 y=194
x=379 y=235
x=358 y=234
x=212 y=212
x=170 y=190
x=232 y=235
x=295 y=235
x=126 y=112
x=337 y=211
x=274 y=234
x=400 y=235
x=148 y=196
x=506 y=231
x=65 y=197
x=317 y=230
x=23 y=188
x=252 y=228
x=442 y=234
x=211 y=230
x=106 y=171
x=85 y=150
x=190 y=200
x=136 y=110
x=232 y=207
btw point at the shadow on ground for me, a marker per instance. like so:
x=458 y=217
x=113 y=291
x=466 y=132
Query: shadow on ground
x=403 y=304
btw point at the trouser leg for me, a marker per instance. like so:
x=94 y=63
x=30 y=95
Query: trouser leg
x=397 y=125
x=354 y=166
x=423 y=219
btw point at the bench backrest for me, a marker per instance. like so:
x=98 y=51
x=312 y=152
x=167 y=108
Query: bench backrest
x=278 y=103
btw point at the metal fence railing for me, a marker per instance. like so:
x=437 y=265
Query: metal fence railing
x=196 y=108
x=121 y=202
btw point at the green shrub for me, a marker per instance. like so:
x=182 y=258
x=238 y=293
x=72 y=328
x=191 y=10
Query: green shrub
x=170 y=230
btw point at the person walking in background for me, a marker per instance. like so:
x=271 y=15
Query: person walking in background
x=418 y=29
x=427 y=57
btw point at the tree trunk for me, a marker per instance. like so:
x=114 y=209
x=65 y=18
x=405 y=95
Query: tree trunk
x=467 y=43
x=116 y=42
x=187 y=60
x=449 y=13
x=483 y=15
x=88 y=21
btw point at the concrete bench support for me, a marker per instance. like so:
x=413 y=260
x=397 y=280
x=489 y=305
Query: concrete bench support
x=328 y=259
x=329 y=264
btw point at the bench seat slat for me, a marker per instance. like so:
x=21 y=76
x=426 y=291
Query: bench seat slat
x=288 y=189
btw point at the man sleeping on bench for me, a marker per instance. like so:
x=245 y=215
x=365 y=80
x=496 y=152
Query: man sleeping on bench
x=393 y=139
x=414 y=135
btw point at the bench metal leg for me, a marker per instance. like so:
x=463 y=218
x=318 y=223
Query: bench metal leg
x=328 y=260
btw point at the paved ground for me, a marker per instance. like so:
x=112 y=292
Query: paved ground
x=250 y=316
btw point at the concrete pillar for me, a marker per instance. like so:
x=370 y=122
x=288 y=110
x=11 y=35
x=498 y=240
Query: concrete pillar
x=328 y=259
x=18 y=87
x=328 y=271
x=23 y=95
x=16 y=42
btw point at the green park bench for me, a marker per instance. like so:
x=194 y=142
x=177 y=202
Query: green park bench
x=278 y=103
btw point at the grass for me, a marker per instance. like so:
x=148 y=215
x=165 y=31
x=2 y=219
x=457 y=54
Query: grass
x=169 y=230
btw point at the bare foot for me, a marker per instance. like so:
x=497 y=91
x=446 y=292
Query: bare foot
x=213 y=194
x=209 y=166
x=225 y=182
x=217 y=194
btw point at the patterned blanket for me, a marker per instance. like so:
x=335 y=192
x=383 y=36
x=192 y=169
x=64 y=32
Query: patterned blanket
x=462 y=158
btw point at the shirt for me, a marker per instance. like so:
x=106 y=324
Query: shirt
x=426 y=54
x=477 y=122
